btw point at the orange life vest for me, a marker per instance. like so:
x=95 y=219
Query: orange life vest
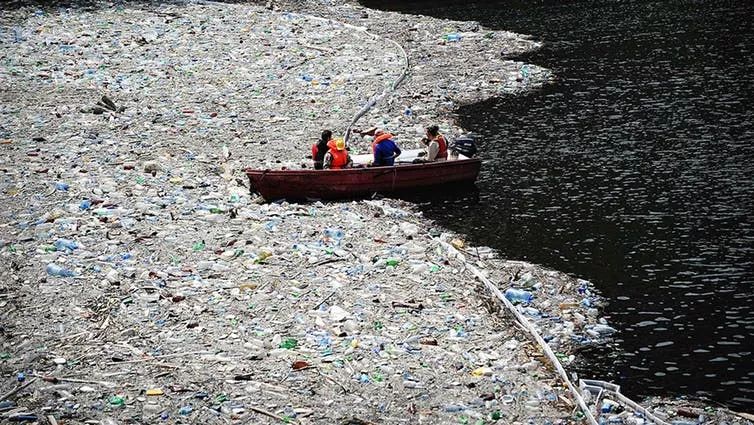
x=443 y=151
x=381 y=137
x=339 y=158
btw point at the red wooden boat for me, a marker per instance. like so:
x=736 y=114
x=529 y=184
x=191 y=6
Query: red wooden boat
x=361 y=180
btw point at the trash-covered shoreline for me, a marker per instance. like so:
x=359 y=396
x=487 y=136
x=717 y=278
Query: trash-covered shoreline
x=141 y=282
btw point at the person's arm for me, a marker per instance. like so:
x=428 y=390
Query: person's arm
x=397 y=151
x=432 y=149
x=328 y=160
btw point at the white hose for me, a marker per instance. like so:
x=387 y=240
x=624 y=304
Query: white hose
x=525 y=323
x=548 y=351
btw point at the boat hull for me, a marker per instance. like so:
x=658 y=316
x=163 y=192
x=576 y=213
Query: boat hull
x=358 y=182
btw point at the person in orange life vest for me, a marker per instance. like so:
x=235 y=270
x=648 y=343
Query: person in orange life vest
x=337 y=157
x=384 y=148
x=320 y=148
x=436 y=144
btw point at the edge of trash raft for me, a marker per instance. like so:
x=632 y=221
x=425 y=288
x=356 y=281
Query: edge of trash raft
x=141 y=283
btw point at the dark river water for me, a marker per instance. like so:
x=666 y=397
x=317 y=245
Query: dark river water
x=635 y=170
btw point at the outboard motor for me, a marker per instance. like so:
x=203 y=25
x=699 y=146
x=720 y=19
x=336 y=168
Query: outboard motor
x=465 y=145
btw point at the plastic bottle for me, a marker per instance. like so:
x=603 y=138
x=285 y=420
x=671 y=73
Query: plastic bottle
x=55 y=270
x=604 y=329
x=525 y=71
x=65 y=245
x=519 y=295
x=453 y=37
x=532 y=404
x=289 y=412
x=335 y=234
x=117 y=400
x=24 y=418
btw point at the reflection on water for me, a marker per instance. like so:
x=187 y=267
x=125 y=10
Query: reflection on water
x=636 y=171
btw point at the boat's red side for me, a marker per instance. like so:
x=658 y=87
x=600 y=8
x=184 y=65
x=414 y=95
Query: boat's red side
x=351 y=182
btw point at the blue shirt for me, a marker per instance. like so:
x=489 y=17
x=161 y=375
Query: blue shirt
x=383 y=153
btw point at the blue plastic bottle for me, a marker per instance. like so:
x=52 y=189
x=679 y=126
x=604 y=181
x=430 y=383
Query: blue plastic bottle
x=518 y=295
x=65 y=245
x=55 y=270
x=453 y=37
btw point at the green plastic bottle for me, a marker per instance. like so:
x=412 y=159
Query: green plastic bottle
x=117 y=400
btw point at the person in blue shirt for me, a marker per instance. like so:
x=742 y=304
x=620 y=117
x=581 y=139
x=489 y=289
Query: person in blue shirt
x=384 y=148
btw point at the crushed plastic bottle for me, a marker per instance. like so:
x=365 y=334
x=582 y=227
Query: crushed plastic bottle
x=335 y=235
x=55 y=270
x=117 y=400
x=518 y=295
x=66 y=245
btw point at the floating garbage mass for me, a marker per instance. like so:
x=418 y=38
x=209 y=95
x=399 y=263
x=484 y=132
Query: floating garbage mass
x=141 y=281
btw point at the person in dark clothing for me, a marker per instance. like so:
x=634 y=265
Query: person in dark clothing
x=320 y=148
x=384 y=148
